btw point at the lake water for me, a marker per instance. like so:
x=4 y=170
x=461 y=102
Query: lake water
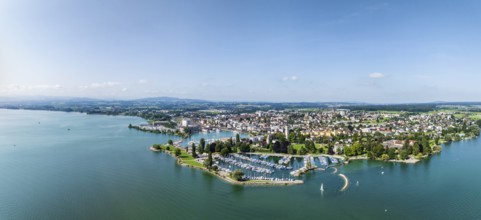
x=100 y=169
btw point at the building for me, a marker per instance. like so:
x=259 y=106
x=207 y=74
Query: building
x=185 y=122
x=396 y=144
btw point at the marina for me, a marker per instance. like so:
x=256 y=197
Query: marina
x=257 y=167
x=269 y=167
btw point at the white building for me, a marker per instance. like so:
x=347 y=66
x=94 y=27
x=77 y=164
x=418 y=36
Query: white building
x=185 y=122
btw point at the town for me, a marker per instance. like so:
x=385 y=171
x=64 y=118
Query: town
x=384 y=135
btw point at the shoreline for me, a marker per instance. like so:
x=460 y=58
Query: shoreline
x=153 y=149
x=295 y=155
x=225 y=176
x=411 y=160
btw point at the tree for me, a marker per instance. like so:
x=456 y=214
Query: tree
x=237 y=138
x=406 y=144
x=419 y=156
x=357 y=148
x=302 y=151
x=284 y=145
x=330 y=150
x=177 y=152
x=218 y=147
x=224 y=152
x=228 y=146
x=236 y=147
x=245 y=148
x=385 y=157
x=237 y=175
x=157 y=146
x=392 y=153
x=194 y=154
x=404 y=155
x=277 y=147
x=378 y=150
x=370 y=155
x=291 y=150
x=416 y=149
x=320 y=150
x=348 y=151
x=478 y=122
x=208 y=163
x=202 y=146
x=426 y=146
x=293 y=137
x=212 y=147
x=310 y=146
x=301 y=138
x=427 y=150
x=170 y=142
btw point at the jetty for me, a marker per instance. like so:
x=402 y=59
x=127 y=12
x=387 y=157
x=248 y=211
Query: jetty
x=346 y=182
x=308 y=165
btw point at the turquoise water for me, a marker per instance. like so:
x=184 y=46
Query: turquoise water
x=102 y=170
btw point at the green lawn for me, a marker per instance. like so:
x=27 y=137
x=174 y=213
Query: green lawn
x=460 y=113
x=189 y=160
x=471 y=115
x=475 y=116
x=308 y=109
x=186 y=157
x=298 y=146
x=390 y=112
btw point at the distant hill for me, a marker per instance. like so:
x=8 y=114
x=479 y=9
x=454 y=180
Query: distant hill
x=166 y=100
x=169 y=99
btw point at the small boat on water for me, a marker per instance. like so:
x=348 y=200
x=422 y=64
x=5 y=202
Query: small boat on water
x=323 y=161
x=322 y=187
x=334 y=160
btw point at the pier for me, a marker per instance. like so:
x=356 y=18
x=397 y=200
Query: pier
x=346 y=182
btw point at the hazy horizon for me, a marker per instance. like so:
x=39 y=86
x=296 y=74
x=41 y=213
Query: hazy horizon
x=271 y=51
x=54 y=98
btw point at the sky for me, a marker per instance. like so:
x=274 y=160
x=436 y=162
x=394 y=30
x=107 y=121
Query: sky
x=245 y=50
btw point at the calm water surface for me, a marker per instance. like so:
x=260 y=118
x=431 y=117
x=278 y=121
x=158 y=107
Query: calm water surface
x=99 y=169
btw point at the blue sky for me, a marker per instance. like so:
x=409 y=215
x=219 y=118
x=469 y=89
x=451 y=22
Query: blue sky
x=370 y=51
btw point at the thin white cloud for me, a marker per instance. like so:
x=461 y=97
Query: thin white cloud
x=124 y=89
x=376 y=75
x=142 y=81
x=18 y=87
x=56 y=86
x=100 y=85
x=287 y=78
